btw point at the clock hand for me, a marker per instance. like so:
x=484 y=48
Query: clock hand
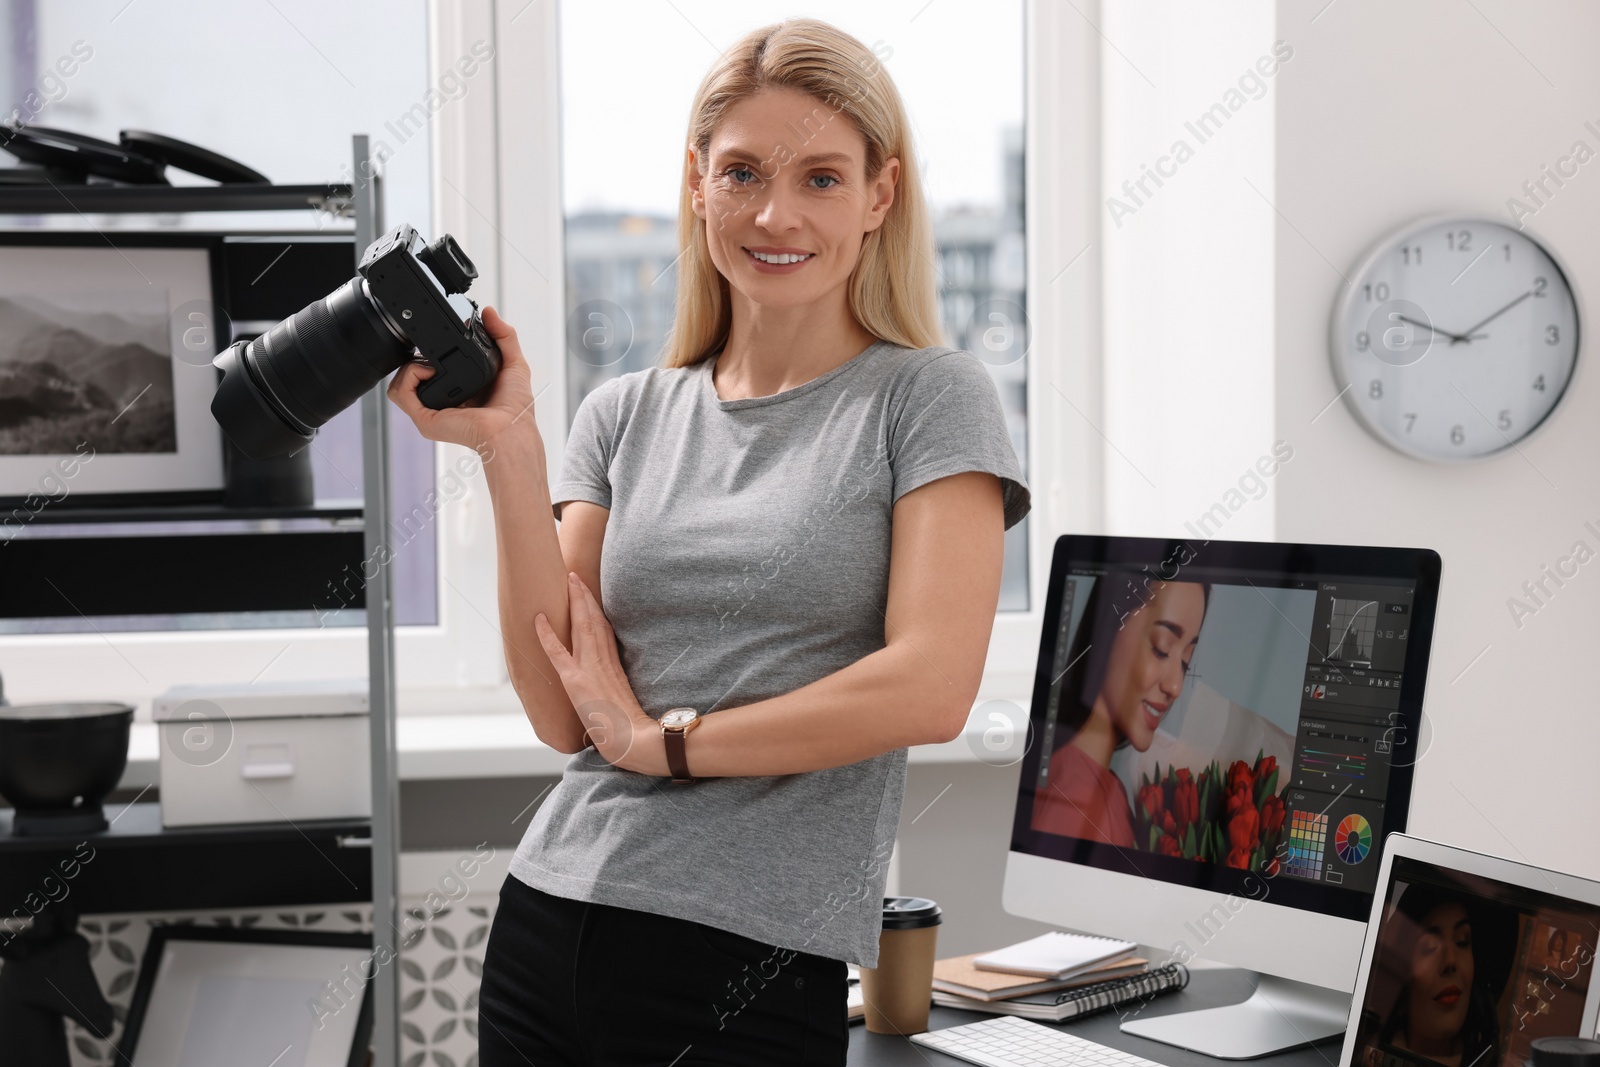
x=1497 y=314
x=1454 y=337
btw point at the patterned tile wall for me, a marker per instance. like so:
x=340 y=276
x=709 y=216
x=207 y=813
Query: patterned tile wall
x=441 y=959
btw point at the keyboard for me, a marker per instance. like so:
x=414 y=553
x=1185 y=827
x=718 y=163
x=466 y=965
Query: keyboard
x=1007 y=1041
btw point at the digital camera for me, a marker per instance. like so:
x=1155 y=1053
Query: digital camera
x=406 y=297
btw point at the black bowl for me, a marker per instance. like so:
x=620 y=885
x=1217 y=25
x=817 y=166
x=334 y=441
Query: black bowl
x=59 y=761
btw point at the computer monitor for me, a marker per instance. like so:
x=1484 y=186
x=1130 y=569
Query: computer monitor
x=1221 y=734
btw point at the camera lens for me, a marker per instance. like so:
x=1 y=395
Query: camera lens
x=279 y=388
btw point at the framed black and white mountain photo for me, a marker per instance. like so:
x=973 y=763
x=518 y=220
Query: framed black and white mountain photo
x=105 y=366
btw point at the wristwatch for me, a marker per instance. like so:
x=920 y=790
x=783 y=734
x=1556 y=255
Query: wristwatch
x=675 y=725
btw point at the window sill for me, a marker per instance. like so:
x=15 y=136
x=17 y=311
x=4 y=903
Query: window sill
x=434 y=742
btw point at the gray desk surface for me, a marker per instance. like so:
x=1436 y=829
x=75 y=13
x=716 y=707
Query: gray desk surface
x=1208 y=988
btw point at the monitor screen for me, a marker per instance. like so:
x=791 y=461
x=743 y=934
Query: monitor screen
x=1204 y=712
x=1469 y=970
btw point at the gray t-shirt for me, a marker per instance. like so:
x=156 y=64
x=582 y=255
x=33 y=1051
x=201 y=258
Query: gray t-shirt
x=746 y=555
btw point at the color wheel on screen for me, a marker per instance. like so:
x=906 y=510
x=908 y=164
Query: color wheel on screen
x=1353 y=839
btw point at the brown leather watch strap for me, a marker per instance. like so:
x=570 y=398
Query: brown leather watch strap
x=677 y=761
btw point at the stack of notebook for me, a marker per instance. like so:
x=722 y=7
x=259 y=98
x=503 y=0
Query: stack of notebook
x=1053 y=977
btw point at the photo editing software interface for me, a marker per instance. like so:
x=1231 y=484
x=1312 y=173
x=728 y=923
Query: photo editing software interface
x=1245 y=719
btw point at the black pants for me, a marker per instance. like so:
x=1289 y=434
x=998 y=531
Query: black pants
x=567 y=982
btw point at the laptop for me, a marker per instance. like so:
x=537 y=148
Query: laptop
x=1469 y=958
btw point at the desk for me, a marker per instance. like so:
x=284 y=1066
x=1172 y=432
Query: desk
x=1208 y=988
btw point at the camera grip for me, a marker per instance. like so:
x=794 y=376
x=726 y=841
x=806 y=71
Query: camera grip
x=464 y=371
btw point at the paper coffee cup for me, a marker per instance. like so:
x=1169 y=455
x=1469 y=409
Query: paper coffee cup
x=898 y=990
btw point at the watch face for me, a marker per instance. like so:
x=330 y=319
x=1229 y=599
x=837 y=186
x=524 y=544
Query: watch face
x=679 y=717
x=1455 y=338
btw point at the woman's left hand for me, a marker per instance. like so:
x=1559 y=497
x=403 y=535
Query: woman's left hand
x=593 y=677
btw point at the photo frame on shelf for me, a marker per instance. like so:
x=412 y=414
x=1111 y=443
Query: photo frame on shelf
x=105 y=368
x=223 y=994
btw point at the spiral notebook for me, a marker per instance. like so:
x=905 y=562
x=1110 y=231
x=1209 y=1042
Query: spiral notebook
x=1076 y=1003
x=957 y=975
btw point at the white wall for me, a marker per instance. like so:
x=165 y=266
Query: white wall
x=1187 y=262
x=1390 y=111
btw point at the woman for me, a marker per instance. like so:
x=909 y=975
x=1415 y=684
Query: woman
x=1123 y=686
x=794 y=526
x=1453 y=952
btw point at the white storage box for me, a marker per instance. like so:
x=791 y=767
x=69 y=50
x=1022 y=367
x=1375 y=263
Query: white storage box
x=265 y=752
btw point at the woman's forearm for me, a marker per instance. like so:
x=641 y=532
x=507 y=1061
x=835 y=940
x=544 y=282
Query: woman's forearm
x=889 y=699
x=532 y=579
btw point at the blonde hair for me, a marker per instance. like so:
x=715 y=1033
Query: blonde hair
x=891 y=290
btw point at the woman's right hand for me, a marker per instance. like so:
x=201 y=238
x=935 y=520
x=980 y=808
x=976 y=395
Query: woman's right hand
x=507 y=401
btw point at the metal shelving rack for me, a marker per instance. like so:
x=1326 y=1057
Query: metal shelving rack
x=385 y=988
x=362 y=201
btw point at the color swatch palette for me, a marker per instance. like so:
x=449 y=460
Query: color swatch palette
x=1308 y=841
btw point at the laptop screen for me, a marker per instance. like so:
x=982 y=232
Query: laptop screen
x=1467 y=971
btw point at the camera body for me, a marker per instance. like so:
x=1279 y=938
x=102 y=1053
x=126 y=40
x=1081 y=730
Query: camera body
x=416 y=287
x=407 y=298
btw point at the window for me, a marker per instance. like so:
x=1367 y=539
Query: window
x=625 y=105
x=281 y=87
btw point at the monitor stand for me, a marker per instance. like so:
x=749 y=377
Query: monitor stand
x=1280 y=1014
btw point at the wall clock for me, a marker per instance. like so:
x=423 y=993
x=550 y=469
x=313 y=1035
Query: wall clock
x=1455 y=339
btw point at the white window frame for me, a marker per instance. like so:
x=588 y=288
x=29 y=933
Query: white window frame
x=1061 y=222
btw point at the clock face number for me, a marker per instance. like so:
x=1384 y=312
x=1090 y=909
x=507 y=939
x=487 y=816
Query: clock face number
x=1456 y=339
